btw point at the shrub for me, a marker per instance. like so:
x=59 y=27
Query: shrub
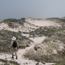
x=5 y=40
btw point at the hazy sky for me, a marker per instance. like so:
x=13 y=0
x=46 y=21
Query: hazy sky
x=31 y=8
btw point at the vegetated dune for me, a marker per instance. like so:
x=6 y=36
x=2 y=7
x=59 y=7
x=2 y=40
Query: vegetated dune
x=43 y=40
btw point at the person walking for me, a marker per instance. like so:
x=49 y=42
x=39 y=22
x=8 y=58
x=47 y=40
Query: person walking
x=14 y=47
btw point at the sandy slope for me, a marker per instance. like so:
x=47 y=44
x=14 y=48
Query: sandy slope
x=29 y=25
x=21 y=60
x=42 y=22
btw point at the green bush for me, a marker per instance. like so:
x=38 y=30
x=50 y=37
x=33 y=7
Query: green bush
x=46 y=31
x=13 y=23
x=5 y=40
x=11 y=62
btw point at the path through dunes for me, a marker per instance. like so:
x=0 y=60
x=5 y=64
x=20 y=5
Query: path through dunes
x=21 y=60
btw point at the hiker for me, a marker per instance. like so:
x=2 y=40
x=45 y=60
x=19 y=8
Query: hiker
x=14 y=46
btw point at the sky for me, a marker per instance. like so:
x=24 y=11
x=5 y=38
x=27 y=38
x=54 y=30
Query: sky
x=31 y=8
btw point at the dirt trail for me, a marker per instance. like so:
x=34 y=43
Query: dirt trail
x=21 y=60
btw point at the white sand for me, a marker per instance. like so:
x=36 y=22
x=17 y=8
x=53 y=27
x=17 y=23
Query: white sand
x=38 y=39
x=29 y=25
x=6 y=27
x=42 y=22
x=26 y=28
